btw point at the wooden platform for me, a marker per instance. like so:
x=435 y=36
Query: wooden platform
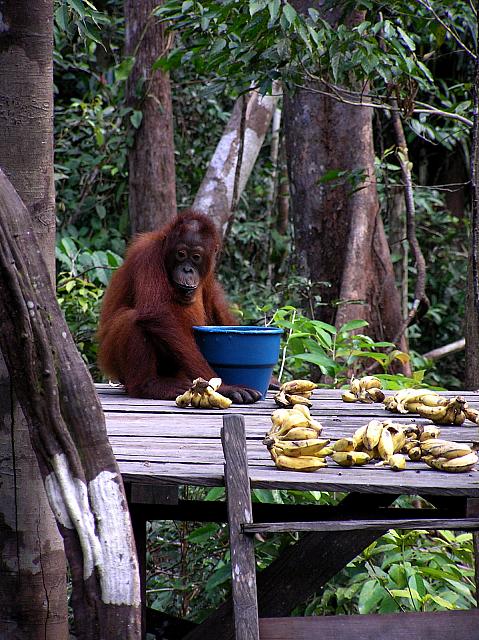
x=156 y=442
x=160 y=447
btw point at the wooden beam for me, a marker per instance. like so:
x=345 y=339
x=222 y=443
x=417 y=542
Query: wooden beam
x=300 y=571
x=465 y=524
x=437 y=625
x=238 y=494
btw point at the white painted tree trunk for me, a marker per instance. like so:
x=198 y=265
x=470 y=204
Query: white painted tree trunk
x=215 y=195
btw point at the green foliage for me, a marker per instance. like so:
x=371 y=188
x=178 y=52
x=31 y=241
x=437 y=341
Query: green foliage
x=337 y=353
x=404 y=571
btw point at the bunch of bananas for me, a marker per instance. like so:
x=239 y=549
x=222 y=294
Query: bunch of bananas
x=378 y=440
x=293 y=440
x=429 y=404
x=204 y=394
x=295 y=392
x=367 y=389
x=445 y=455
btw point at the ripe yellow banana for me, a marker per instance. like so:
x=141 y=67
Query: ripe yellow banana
x=184 y=399
x=344 y=444
x=217 y=400
x=414 y=453
x=397 y=462
x=372 y=434
x=398 y=438
x=355 y=386
x=370 y=382
x=295 y=400
x=350 y=458
x=299 y=433
x=456 y=465
x=295 y=448
x=303 y=463
x=429 y=431
x=449 y=450
x=471 y=414
x=358 y=436
x=348 y=396
x=298 y=386
x=436 y=414
x=302 y=408
x=385 y=444
x=373 y=395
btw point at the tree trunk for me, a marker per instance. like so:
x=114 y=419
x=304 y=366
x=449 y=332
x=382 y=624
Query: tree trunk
x=216 y=193
x=67 y=430
x=32 y=564
x=339 y=234
x=472 y=299
x=152 y=185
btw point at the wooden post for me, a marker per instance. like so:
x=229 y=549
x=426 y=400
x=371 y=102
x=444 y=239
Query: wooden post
x=238 y=496
x=472 y=510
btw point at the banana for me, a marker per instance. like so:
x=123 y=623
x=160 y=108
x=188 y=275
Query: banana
x=456 y=465
x=350 y=458
x=398 y=437
x=471 y=414
x=390 y=403
x=358 y=436
x=184 y=399
x=302 y=408
x=370 y=382
x=449 y=450
x=427 y=445
x=278 y=416
x=414 y=453
x=355 y=386
x=397 y=462
x=299 y=433
x=195 y=399
x=295 y=448
x=372 y=434
x=204 y=401
x=429 y=431
x=281 y=400
x=317 y=426
x=293 y=419
x=303 y=463
x=344 y=444
x=298 y=400
x=375 y=394
x=436 y=414
x=348 y=396
x=217 y=400
x=385 y=444
x=298 y=386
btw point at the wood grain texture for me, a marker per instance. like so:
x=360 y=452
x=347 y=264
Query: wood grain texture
x=155 y=442
x=439 y=625
x=243 y=563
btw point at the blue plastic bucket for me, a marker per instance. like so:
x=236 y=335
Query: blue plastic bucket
x=241 y=355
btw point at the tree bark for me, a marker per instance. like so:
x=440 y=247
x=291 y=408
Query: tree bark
x=33 y=601
x=151 y=159
x=215 y=195
x=339 y=234
x=471 y=328
x=67 y=430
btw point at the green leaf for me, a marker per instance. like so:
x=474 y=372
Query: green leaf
x=123 y=70
x=289 y=13
x=136 y=118
x=441 y=601
x=215 y=494
x=409 y=42
x=371 y=594
x=219 y=577
x=353 y=324
x=202 y=534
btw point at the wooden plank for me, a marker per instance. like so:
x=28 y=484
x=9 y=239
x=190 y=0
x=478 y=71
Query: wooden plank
x=299 y=572
x=439 y=625
x=238 y=499
x=463 y=524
